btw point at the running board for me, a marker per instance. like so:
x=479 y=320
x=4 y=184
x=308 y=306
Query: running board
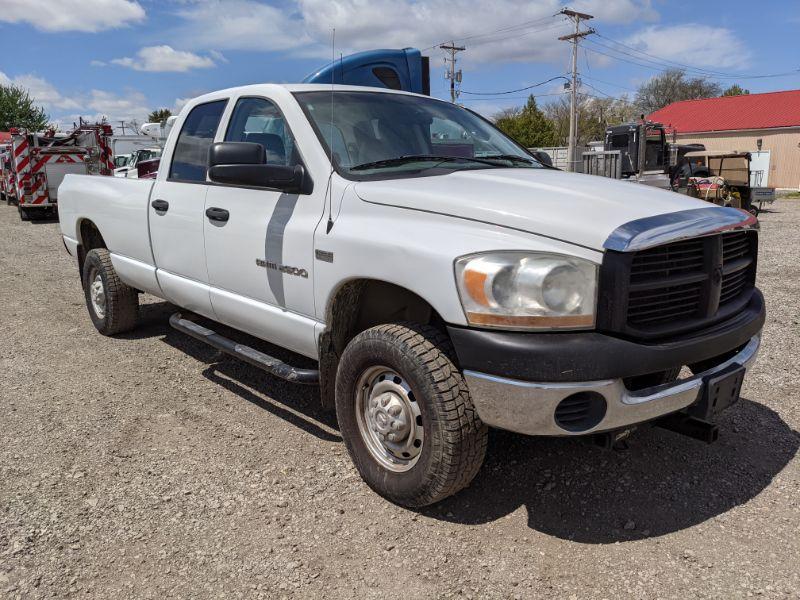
x=271 y=365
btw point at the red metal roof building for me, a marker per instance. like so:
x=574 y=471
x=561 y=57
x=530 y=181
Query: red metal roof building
x=741 y=123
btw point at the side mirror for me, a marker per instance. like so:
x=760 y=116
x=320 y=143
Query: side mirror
x=244 y=163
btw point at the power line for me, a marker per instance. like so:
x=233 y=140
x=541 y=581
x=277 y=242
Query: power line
x=495 y=31
x=517 y=90
x=514 y=37
x=664 y=64
x=622 y=87
x=482 y=99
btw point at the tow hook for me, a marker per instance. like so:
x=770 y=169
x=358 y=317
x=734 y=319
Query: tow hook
x=611 y=440
x=690 y=426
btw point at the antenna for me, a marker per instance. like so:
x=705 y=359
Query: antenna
x=330 y=139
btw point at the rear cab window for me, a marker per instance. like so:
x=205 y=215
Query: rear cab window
x=190 y=158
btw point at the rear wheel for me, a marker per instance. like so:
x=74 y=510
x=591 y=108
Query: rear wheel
x=24 y=215
x=405 y=414
x=113 y=306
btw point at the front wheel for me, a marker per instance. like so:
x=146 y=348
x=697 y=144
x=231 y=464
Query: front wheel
x=405 y=414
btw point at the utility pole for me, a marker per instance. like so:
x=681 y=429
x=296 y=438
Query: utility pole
x=453 y=75
x=577 y=17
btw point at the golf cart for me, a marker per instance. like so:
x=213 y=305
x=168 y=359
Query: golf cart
x=723 y=177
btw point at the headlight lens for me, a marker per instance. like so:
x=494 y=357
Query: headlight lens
x=527 y=290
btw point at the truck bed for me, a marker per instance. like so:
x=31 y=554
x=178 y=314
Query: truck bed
x=117 y=206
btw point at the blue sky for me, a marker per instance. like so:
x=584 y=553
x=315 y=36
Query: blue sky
x=122 y=58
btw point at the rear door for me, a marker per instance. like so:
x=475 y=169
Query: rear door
x=177 y=211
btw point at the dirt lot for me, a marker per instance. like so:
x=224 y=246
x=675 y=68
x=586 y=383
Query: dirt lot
x=149 y=466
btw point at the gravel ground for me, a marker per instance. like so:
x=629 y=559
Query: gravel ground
x=148 y=466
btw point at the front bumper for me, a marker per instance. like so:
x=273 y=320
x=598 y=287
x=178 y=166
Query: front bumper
x=517 y=380
x=530 y=407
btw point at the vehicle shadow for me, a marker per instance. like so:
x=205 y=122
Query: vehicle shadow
x=297 y=404
x=662 y=483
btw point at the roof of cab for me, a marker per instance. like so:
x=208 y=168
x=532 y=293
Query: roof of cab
x=295 y=87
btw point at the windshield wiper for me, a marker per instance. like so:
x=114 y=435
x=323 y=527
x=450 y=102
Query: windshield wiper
x=400 y=160
x=510 y=157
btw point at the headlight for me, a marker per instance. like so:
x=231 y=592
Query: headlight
x=527 y=290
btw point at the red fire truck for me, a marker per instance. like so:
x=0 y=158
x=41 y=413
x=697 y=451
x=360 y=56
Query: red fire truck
x=39 y=162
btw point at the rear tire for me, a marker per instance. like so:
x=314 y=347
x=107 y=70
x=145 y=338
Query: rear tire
x=113 y=306
x=405 y=414
x=24 y=215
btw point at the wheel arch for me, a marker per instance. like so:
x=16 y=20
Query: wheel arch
x=354 y=306
x=89 y=238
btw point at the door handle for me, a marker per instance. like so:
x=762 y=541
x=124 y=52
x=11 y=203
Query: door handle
x=217 y=214
x=160 y=205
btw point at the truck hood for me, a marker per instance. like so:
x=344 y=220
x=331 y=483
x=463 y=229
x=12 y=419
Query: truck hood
x=575 y=208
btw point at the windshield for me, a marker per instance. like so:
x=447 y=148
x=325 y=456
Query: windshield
x=379 y=135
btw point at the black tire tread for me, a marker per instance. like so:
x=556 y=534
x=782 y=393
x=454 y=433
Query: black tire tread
x=460 y=456
x=122 y=301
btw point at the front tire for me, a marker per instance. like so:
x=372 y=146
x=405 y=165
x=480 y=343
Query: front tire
x=405 y=414
x=113 y=306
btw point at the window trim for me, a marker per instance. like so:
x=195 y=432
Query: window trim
x=298 y=149
x=169 y=177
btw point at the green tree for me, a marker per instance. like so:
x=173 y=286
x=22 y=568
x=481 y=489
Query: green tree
x=159 y=115
x=594 y=115
x=736 y=90
x=17 y=109
x=527 y=125
x=673 y=86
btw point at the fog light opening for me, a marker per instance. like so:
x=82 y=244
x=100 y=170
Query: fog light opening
x=580 y=411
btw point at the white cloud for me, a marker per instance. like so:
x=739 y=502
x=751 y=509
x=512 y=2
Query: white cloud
x=304 y=27
x=617 y=11
x=528 y=30
x=64 y=109
x=693 y=44
x=43 y=92
x=165 y=59
x=72 y=15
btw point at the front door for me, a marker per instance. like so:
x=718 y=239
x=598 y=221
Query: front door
x=177 y=217
x=259 y=242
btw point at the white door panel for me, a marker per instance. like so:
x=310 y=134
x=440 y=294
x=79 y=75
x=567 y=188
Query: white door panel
x=186 y=293
x=136 y=273
x=233 y=246
x=177 y=234
x=278 y=326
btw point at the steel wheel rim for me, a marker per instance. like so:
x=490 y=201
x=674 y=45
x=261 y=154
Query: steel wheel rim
x=389 y=419
x=97 y=295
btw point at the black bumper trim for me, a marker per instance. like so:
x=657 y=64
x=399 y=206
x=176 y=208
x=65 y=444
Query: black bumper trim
x=589 y=356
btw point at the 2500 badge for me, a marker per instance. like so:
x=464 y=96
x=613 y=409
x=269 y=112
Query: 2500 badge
x=282 y=268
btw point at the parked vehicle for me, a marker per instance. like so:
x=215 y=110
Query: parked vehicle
x=129 y=169
x=40 y=161
x=6 y=174
x=441 y=287
x=724 y=178
x=624 y=156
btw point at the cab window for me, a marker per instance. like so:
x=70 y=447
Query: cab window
x=190 y=161
x=259 y=121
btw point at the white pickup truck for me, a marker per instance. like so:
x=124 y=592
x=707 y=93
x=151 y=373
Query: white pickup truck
x=443 y=279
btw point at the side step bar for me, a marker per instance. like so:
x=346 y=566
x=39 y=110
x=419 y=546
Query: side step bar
x=271 y=365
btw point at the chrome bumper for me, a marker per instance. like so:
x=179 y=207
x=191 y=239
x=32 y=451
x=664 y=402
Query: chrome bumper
x=529 y=407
